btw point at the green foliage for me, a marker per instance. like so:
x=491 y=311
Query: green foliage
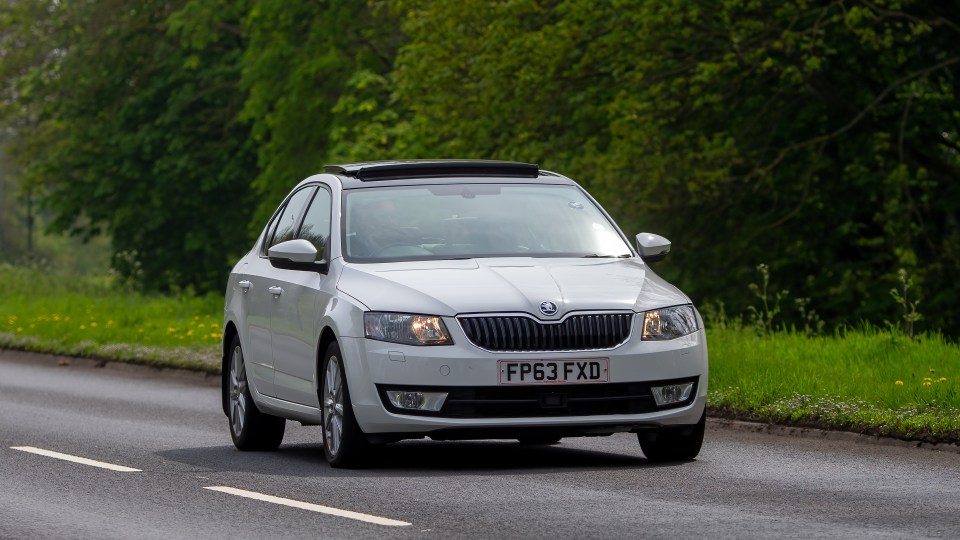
x=818 y=137
x=768 y=308
x=812 y=323
x=135 y=133
x=761 y=316
x=901 y=297
x=302 y=63
x=13 y=230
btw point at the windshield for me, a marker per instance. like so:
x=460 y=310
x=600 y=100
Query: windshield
x=457 y=221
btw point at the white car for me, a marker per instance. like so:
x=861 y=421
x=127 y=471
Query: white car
x=457 y=300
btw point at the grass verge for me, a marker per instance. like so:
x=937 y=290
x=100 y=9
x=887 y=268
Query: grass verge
x=866 y=380
x=91 y=317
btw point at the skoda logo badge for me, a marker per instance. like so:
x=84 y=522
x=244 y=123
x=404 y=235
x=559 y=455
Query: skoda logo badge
x=548 y=308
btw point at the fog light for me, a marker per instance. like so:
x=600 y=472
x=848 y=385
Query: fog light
x=423 y=401
x=672 y=393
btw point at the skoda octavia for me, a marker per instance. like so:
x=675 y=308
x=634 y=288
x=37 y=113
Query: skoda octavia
x=457 y=300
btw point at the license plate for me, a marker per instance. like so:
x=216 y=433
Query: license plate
x=553 y=371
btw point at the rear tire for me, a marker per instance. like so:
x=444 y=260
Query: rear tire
x=674 y=444
x=250 y=429
x=344 y=443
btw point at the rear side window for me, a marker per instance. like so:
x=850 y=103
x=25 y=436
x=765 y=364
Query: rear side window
x=284 y=227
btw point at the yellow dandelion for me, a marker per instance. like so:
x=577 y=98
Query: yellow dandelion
x=19 y=329
x=899 y=383
x=109 y=323
x=931 y=370
x=93 y=324
x=214 y=335
x=189 y=332
x=943 y=379
x=56 y=316
x=927 y=384
x=83 y=327
x=201 y=325
x=927 y=379
x=140 y=330
x=171 y=329
x=196 y=317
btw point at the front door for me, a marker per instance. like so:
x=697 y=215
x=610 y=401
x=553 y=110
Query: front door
x=296 y=320
x=261 y=298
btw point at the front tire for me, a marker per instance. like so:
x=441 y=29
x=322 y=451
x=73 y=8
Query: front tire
x=250 y=429
x=674 y=444
x=344 y=443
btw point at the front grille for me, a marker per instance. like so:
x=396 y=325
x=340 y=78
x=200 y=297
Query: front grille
x=523 y=334
x=538 y=401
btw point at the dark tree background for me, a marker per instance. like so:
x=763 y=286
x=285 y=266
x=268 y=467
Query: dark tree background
x=820 y=138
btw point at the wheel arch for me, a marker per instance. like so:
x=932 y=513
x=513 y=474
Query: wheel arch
x=327 y=336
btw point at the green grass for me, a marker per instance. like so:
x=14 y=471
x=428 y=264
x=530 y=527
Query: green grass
x=864 y=380
x=846 y=381
x=92 y=317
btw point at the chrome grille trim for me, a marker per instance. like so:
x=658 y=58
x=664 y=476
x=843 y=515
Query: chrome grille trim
x=524 y=333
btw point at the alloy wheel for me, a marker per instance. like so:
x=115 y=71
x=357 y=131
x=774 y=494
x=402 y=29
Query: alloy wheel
x=333 y=406
x=238 y=391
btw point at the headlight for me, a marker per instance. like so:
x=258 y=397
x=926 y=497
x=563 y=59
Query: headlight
x=406 y=328
x=669 y=323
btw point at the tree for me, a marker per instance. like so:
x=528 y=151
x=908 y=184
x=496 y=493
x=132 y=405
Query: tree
x=300 y=63
x=131 y=129
x=818 y=137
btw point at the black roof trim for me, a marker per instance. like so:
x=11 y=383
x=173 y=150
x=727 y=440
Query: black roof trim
x=393 y=170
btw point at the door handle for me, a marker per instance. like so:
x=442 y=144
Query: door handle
x=245 y=285
x=276 y=291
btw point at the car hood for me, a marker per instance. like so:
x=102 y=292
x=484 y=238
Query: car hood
x=511 y=285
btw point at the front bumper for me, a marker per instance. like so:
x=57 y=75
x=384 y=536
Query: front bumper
x=372 y=366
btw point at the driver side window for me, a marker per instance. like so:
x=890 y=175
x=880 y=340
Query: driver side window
x=316 y=223
x=287 y=221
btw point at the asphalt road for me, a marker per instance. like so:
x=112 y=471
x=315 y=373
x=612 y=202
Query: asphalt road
x=170 y=428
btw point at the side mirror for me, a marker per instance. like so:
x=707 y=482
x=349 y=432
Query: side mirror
x=652 y=247
x=297 y=254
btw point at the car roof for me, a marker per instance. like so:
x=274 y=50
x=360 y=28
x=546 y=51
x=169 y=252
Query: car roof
x=406 y=172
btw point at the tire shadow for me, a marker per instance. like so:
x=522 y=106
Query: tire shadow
x=416 y=457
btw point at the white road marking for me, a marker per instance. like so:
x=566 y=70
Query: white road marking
x=75 y=459
x=376 y=520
